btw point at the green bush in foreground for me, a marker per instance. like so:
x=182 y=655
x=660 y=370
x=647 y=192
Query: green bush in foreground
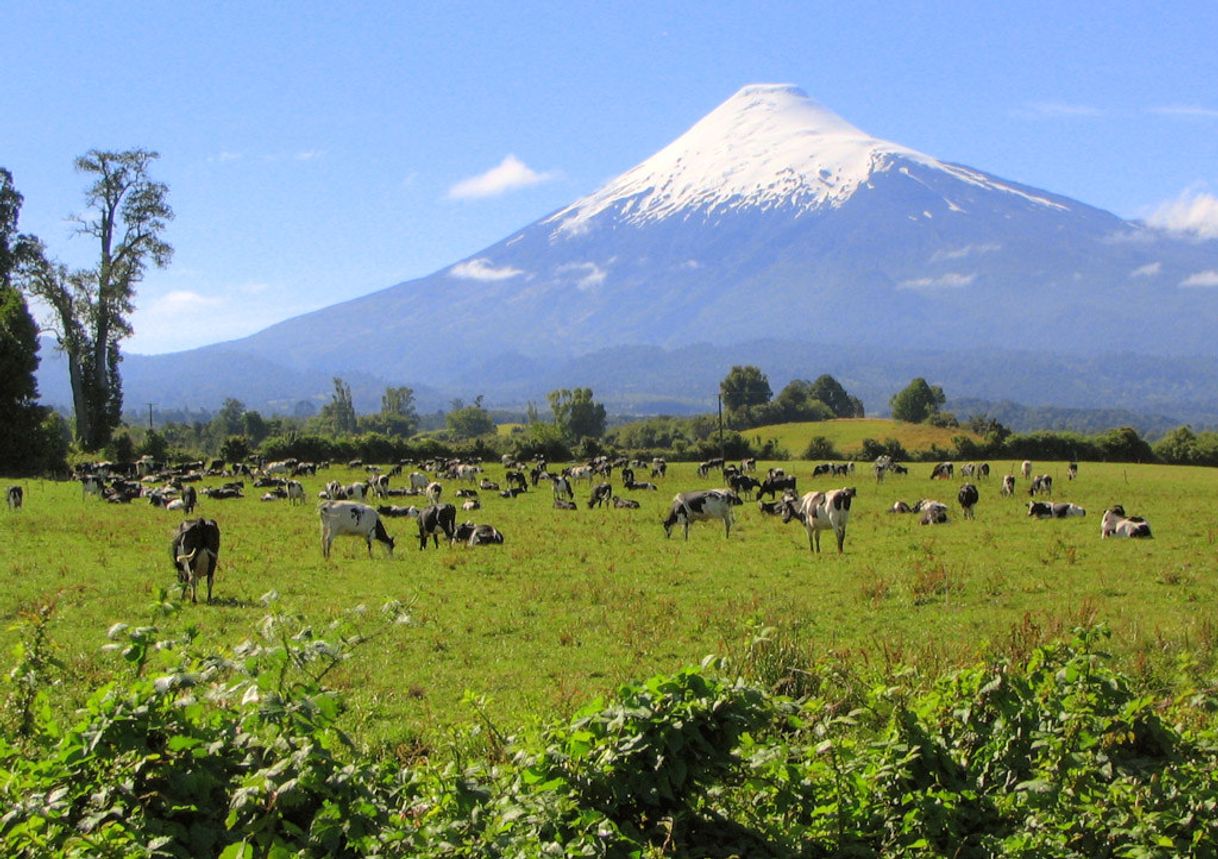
x=242 y=754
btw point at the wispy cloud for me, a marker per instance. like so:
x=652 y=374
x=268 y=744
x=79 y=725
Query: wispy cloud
x=1149 y=270
x=951 y=280
x=224 y=157
x=1209 y=277
x=482 y=269
x=1188 y=111
x=511 y=174
x=1057 y=110
x=967 y=250
x=309 y=154
x=588 y=274
x=1193 y=213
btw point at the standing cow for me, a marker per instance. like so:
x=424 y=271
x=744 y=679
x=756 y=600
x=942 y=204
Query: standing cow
x=195 y=548
x=351 y=518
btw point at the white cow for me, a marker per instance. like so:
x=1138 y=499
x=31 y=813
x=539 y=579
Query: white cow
x=348 y=517
x=823 y=511
x=701 y=505
x=295 y=492
x=419 y=480
x=1026 y=469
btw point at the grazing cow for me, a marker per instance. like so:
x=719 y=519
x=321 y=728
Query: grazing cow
x=933 y=513
x=433 y=492
x=1045 y=510
x=967 y=469
x=478 y=535
x=579 y=472
x=565 y=504
x=1041 y=484
x=1072 y=471
x=625 y=503
x=822 y=511
x=983 y=471
x=516 y=480
x=1026 y=469
x=562 y=488
x=601 y=493
x=418 y=481
x=714 y=462
x=379 y=484
x=968 y=498
x=433 y=520
x=942 y=471
x=702 y=505
x=295 y=492
x=748 y=464
x=16 y=496
x=1008 y=486
x=350 y=517
x=195 y=549
x=1116 y=524
x=659 y=467
x=775 y=482
x=823 y=468
x=467 y=473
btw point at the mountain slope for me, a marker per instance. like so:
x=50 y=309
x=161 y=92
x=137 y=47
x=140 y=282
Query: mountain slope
x=773 y=219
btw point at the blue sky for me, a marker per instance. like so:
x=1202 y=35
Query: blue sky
x=320 y=151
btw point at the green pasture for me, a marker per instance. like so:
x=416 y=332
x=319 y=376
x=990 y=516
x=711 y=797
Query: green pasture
x=847 y=434
x=577 y=602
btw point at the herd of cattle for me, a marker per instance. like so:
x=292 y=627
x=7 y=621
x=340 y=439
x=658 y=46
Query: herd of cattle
x=343 y=510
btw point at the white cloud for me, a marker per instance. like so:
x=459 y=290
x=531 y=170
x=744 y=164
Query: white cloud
x=951 y=280
x=1057 y=110
x=309 y=154
x=224 y=157
x=967 y=250
x=482 y=269
x=1187 y=111
x=589 y=274
x=1193 y=212
x=511 y=174
x=1209 y=277
x=1149 y=270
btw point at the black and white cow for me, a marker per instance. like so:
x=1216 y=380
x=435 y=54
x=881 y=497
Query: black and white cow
x=822 y=511
x=1008 y=486
x=340 y=518
x=933 y=512
x=775 y=483
x=565 y=504
x=562 y=488
x=968 y=496
x=699 y=506
x=478 y=535
x=942 y=471
x=393 y=511
x=1046 y=510
x=1041 y=485
x=295 y=492
x=16 y=497
x=434 y=520
x=195 y=548
x=1072 y=471
x=1116 y=524
x=601 y=493
x=625 y=503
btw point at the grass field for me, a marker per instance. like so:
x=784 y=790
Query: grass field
x=576 y=602
x=847 y=434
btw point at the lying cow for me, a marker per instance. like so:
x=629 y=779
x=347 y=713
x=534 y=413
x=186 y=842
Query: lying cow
x=354 y=519
x=933 y=512
x=700 y=506
x=1116 y=524
x=625 y=503
x=393 y=511
x=478 y=535
x=1047 y=510
x=195 y=548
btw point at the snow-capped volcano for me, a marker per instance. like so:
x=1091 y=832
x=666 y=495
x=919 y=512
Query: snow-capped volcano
x=771 y=226
x=767 y=146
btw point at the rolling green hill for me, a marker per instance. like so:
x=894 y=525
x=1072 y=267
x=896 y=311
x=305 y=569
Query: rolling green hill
x=847 y=434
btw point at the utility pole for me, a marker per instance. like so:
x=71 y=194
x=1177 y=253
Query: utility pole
x=721 y=449
x=150 y=405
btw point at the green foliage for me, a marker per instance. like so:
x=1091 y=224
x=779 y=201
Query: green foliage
x=745 y=390
x=917 y=401
x=820 y=447
x=873 y=449
x=577 y=414
x=468 y=422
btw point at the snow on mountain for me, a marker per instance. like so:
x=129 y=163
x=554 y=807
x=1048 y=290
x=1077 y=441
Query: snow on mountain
x=767 y=146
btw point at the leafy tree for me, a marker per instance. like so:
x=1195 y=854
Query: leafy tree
x=227 y=421
x=469 y=421
x=796 y=402
x=745 y=391
x=154 y=445
x=127 y=213
x=397 y=416
x=234 y=449
x=917 y=401
x=830 y=392
x=1178 y=447
x=577 y=414
x=339 y=413
x=20 y=427
x=820 y=447
x=254 y=426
